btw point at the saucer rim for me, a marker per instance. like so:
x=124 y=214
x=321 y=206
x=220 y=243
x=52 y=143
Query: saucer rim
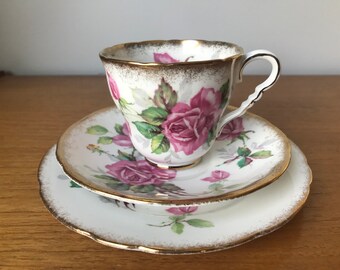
x=271 y=177
x=179 y=251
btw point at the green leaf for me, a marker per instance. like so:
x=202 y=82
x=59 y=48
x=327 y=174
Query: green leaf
x=169 y=187
x=104 y=140
x=243 y=151
x=261 y=154
x=177 y=227
x=142 y=188
x=159 y=144
x=243 y=137
x=216 y=187
x=147 y=130
x=122 y=187
x=125 y=156
x=224 y=93
x=74 y=185
x=244 y=161
x=154 y=116
x=96 y=130
x=119 y=129
x=211 y=135
x=123 y=103
x=165 y=97
x=177 y=218
x=105 y=177
x=199 y=223
x=116 y=185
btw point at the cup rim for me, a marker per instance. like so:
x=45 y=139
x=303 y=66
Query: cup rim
x=105 y=57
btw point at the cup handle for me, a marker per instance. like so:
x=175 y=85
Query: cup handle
x=259 y=89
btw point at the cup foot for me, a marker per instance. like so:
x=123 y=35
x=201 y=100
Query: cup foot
x=180 y=167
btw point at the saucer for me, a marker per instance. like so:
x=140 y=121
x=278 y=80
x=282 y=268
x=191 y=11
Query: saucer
x=96 y=152
x=118 y=225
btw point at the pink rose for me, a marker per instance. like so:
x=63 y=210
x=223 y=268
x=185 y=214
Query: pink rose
x=217 y=176
x=163 y=58
x=139 y=172
x=123 y=139
x=179 y=211
x=126 y=129
x=232 y=130
x=208 y=100
x=113 y=87
x=188 y=126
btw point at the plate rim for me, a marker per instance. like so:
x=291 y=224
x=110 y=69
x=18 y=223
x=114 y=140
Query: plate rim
x=177 y=251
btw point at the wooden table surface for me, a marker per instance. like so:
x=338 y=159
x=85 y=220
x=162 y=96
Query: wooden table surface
x=34 y=112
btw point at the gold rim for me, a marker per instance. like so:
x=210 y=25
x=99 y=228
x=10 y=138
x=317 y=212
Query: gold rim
x=110 y=59
x=274 y=174
x=178 y=251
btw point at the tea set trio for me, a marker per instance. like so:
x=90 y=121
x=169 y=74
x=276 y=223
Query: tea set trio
x=172 y=168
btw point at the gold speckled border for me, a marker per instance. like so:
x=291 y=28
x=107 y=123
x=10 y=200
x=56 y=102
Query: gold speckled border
x=106 y=55
x=273 y=175
x=178 y=251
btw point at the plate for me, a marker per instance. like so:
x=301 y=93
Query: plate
x=96 y=152
x=182 y=231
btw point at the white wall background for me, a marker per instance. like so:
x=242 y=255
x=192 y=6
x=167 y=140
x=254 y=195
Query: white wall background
x=65 y=36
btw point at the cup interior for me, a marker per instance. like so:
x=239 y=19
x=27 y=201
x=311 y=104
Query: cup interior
x=171 y=51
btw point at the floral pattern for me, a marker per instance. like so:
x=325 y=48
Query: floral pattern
x=179 y=211
x=118 y=203
x=233 y=131
x=115 y=93
x=217 y=176
x=166 y=58
x=139 y=172
x=179 y=219
x=123 y=137
x=170 y=123
x=121 y=169
x=128 y=173
x=113 y=87
x=185 y=127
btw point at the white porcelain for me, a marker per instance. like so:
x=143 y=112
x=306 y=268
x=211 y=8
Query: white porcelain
x=173 y=94
x=97 y=153
x=119 y=225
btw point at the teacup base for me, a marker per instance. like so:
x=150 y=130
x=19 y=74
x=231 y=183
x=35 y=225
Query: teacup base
x=180 y=167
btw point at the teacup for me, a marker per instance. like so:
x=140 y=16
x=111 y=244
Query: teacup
x=174 y=94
